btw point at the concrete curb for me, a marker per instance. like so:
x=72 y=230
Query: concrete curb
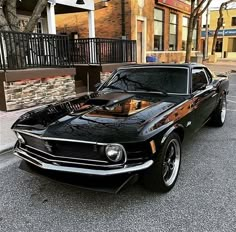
x=6 y=147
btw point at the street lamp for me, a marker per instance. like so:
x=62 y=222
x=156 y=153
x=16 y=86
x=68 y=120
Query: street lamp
x=223 y=34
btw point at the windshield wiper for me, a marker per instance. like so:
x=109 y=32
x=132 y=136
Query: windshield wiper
x=153 y=90
x=113 y=87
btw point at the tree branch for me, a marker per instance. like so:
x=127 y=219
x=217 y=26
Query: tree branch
x=205 y=8
x=40 y=6
x=11 y=15
x=3 y=22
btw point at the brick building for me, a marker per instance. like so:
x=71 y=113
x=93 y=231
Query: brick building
x=159 y=26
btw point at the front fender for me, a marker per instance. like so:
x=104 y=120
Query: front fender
x=177 y=127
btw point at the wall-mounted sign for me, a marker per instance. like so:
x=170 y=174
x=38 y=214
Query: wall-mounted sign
x=227 y=32
x=176 y=4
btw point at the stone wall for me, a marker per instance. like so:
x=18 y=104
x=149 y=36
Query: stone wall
x=28 y=93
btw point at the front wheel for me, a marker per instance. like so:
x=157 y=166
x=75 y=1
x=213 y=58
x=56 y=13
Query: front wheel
x=161 y=177
x=219 y=115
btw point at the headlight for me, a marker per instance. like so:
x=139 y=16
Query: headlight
x=20 y=138
x=114 y=152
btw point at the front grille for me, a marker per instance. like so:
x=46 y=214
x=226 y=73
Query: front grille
x=78 y=154
x=61 y=149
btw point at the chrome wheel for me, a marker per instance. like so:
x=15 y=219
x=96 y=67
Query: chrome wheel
x=171 y=162
x=223 y=109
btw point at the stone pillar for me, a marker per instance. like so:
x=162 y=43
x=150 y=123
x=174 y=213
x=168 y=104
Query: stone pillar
x=51 y=18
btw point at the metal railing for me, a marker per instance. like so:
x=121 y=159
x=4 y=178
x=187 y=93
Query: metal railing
x=102 y=51
x=30 y=50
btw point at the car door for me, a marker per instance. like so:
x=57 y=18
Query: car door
x=203 y=95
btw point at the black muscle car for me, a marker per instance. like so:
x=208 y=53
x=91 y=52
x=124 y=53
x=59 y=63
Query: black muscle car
x=133 y=124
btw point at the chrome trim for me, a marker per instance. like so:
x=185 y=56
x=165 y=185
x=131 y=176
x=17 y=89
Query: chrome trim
x=58 y=139
x=99 y=161
x=122 y=147
x=81 y=159
x=156 y=92
x=68 y=162
x=189 y=123
x=147 y=67
x=40 y=164
x=199 y=92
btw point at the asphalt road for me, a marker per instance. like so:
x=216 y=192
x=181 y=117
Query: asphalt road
x=204 y=198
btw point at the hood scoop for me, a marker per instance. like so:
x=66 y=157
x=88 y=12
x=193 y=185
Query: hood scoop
x=109 y=99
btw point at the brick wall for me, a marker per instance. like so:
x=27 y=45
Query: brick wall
x=107 y=21
x=28 y=93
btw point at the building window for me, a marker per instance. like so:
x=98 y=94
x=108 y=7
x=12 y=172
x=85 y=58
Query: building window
x=158 y=29
x=185 y=32
x=232 y=45
x=39 y=28
x=173 y=32
x=233 y=21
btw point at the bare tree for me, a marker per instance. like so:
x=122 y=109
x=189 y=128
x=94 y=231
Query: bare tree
x=198 y=7
x=220 y=22
x=9 y=20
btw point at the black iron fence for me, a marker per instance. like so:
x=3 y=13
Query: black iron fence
x=30 y=50
x=100 y=51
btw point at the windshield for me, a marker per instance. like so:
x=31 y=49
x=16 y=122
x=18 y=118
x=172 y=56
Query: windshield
x=159 y=79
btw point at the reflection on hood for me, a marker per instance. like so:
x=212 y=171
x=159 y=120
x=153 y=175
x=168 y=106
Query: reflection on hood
x=126 y=108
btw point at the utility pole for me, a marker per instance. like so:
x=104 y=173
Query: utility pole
x=206 y=36
x=223 y=34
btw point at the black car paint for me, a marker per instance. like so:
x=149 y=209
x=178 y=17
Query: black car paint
x=184 y=114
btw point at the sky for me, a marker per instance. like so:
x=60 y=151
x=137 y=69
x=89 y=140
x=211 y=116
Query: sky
x=217 y=3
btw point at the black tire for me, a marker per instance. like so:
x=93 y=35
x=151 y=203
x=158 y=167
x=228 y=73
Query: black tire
x=162 y=175
x=219 y=115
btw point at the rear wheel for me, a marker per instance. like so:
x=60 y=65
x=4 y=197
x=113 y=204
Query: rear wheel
x=161 y=177
x=219 y=115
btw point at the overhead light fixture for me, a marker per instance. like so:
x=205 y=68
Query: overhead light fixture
x=52 y=2
x=80 y=2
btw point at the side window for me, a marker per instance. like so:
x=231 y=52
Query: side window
x=198 y=79
x=209 y=75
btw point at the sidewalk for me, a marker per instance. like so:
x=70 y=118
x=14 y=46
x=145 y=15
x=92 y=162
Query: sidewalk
x=8 y=138
x=222 y=66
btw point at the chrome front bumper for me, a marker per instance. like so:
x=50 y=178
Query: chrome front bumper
x=87 y=171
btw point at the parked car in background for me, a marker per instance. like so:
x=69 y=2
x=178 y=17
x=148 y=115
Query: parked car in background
x=135 y=123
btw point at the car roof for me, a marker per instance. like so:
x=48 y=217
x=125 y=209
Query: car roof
x=182 y=65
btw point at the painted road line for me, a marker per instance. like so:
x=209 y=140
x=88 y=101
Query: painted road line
x=231 y=101
x=231 y=110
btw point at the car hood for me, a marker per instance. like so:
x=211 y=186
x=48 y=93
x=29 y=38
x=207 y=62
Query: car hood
x=101 y=117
